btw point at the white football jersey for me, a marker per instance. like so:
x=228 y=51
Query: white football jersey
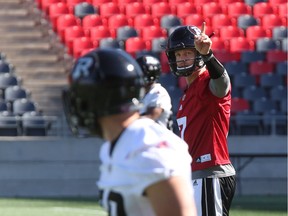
x=158 y=97
x=145 y=153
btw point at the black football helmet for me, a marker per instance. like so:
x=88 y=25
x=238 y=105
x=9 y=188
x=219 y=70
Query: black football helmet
x=103 y=82
x=151 y=68
x=181 y=38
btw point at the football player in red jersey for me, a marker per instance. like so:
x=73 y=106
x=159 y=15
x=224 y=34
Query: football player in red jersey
x=203 y=117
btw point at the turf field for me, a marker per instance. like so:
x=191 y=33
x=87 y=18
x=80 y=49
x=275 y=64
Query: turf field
x=242 y=206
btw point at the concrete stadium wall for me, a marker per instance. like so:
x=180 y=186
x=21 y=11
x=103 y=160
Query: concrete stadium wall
x=69 y=167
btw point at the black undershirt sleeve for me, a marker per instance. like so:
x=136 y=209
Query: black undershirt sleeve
x=215 y=68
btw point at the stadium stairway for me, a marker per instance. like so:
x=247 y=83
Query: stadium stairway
x=34 y=50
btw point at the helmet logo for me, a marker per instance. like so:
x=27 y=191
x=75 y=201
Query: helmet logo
x=82 y=68
x=130 y=67
x=194 y=30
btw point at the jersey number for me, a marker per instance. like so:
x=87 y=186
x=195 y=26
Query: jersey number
x=182 y=123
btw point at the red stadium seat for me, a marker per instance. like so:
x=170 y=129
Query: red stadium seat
x=80 y=44
x=45 y=4
x=273 y=20
x=258 y=68
x=185 y=9
x=239 y=105
x=99 y=32
x=98 y=3
x=221 y=49
x=238 y=8
x=150 y=32
x=72 y=3
x=150 y=2
x=240 y=44
x=201 y=2
x=227 y=56
x=108 y=9
x=282 y=10
x=135 y=44
x=262 y=8
x=90 y=21
x=229 y=32
x=135 y=8
x=161 y=8
x=225 y=2
x=275 y=56
x=64 y=21
x=125 y=2
x=277 y=2
x=164 y=63
x=220 y=20
x=143 y=20
x=70 y=33
x=56 y=10
x=220 y=44
x=255 y=32
x=212 y=8
x=118 y=20
x=196 y=19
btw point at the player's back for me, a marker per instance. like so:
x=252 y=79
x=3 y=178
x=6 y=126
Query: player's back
x=145 y=153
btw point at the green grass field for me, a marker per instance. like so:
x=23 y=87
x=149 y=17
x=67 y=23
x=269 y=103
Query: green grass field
x=242 y=206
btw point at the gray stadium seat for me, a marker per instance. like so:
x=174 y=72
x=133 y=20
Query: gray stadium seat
x=265 y=44
x=170 y=21
x=279 y=32
x=252 y=56
x=244 y=21
x=9 y=124
x=248 y=123
x=125 y=32
x=262 y=105
x=20 y=106
x=109 y=43
x=34 y=124
x=83 y=9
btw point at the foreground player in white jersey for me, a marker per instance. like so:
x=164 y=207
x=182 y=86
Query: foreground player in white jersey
x=156 y=102
x=145 y=167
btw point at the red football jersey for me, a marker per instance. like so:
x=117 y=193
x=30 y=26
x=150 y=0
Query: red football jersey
x=203 y=121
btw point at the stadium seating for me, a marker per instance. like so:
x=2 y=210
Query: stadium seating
x=169 y=21
x=243 y=80
x=55 y=10
x=250 y=39
x=82 y=9
x=252 y=56
x=109 y=43
x=275 y=122
x=22 y=105
x=266 y=44
x=9 y=124
x=261 y=9
x=185 y=9
x=259 y=68
x=279 y=32
x=248 y=123
x=34 y=124
x=254 y=92
x=5 y=67
x=246 y=20
x=239 y=105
